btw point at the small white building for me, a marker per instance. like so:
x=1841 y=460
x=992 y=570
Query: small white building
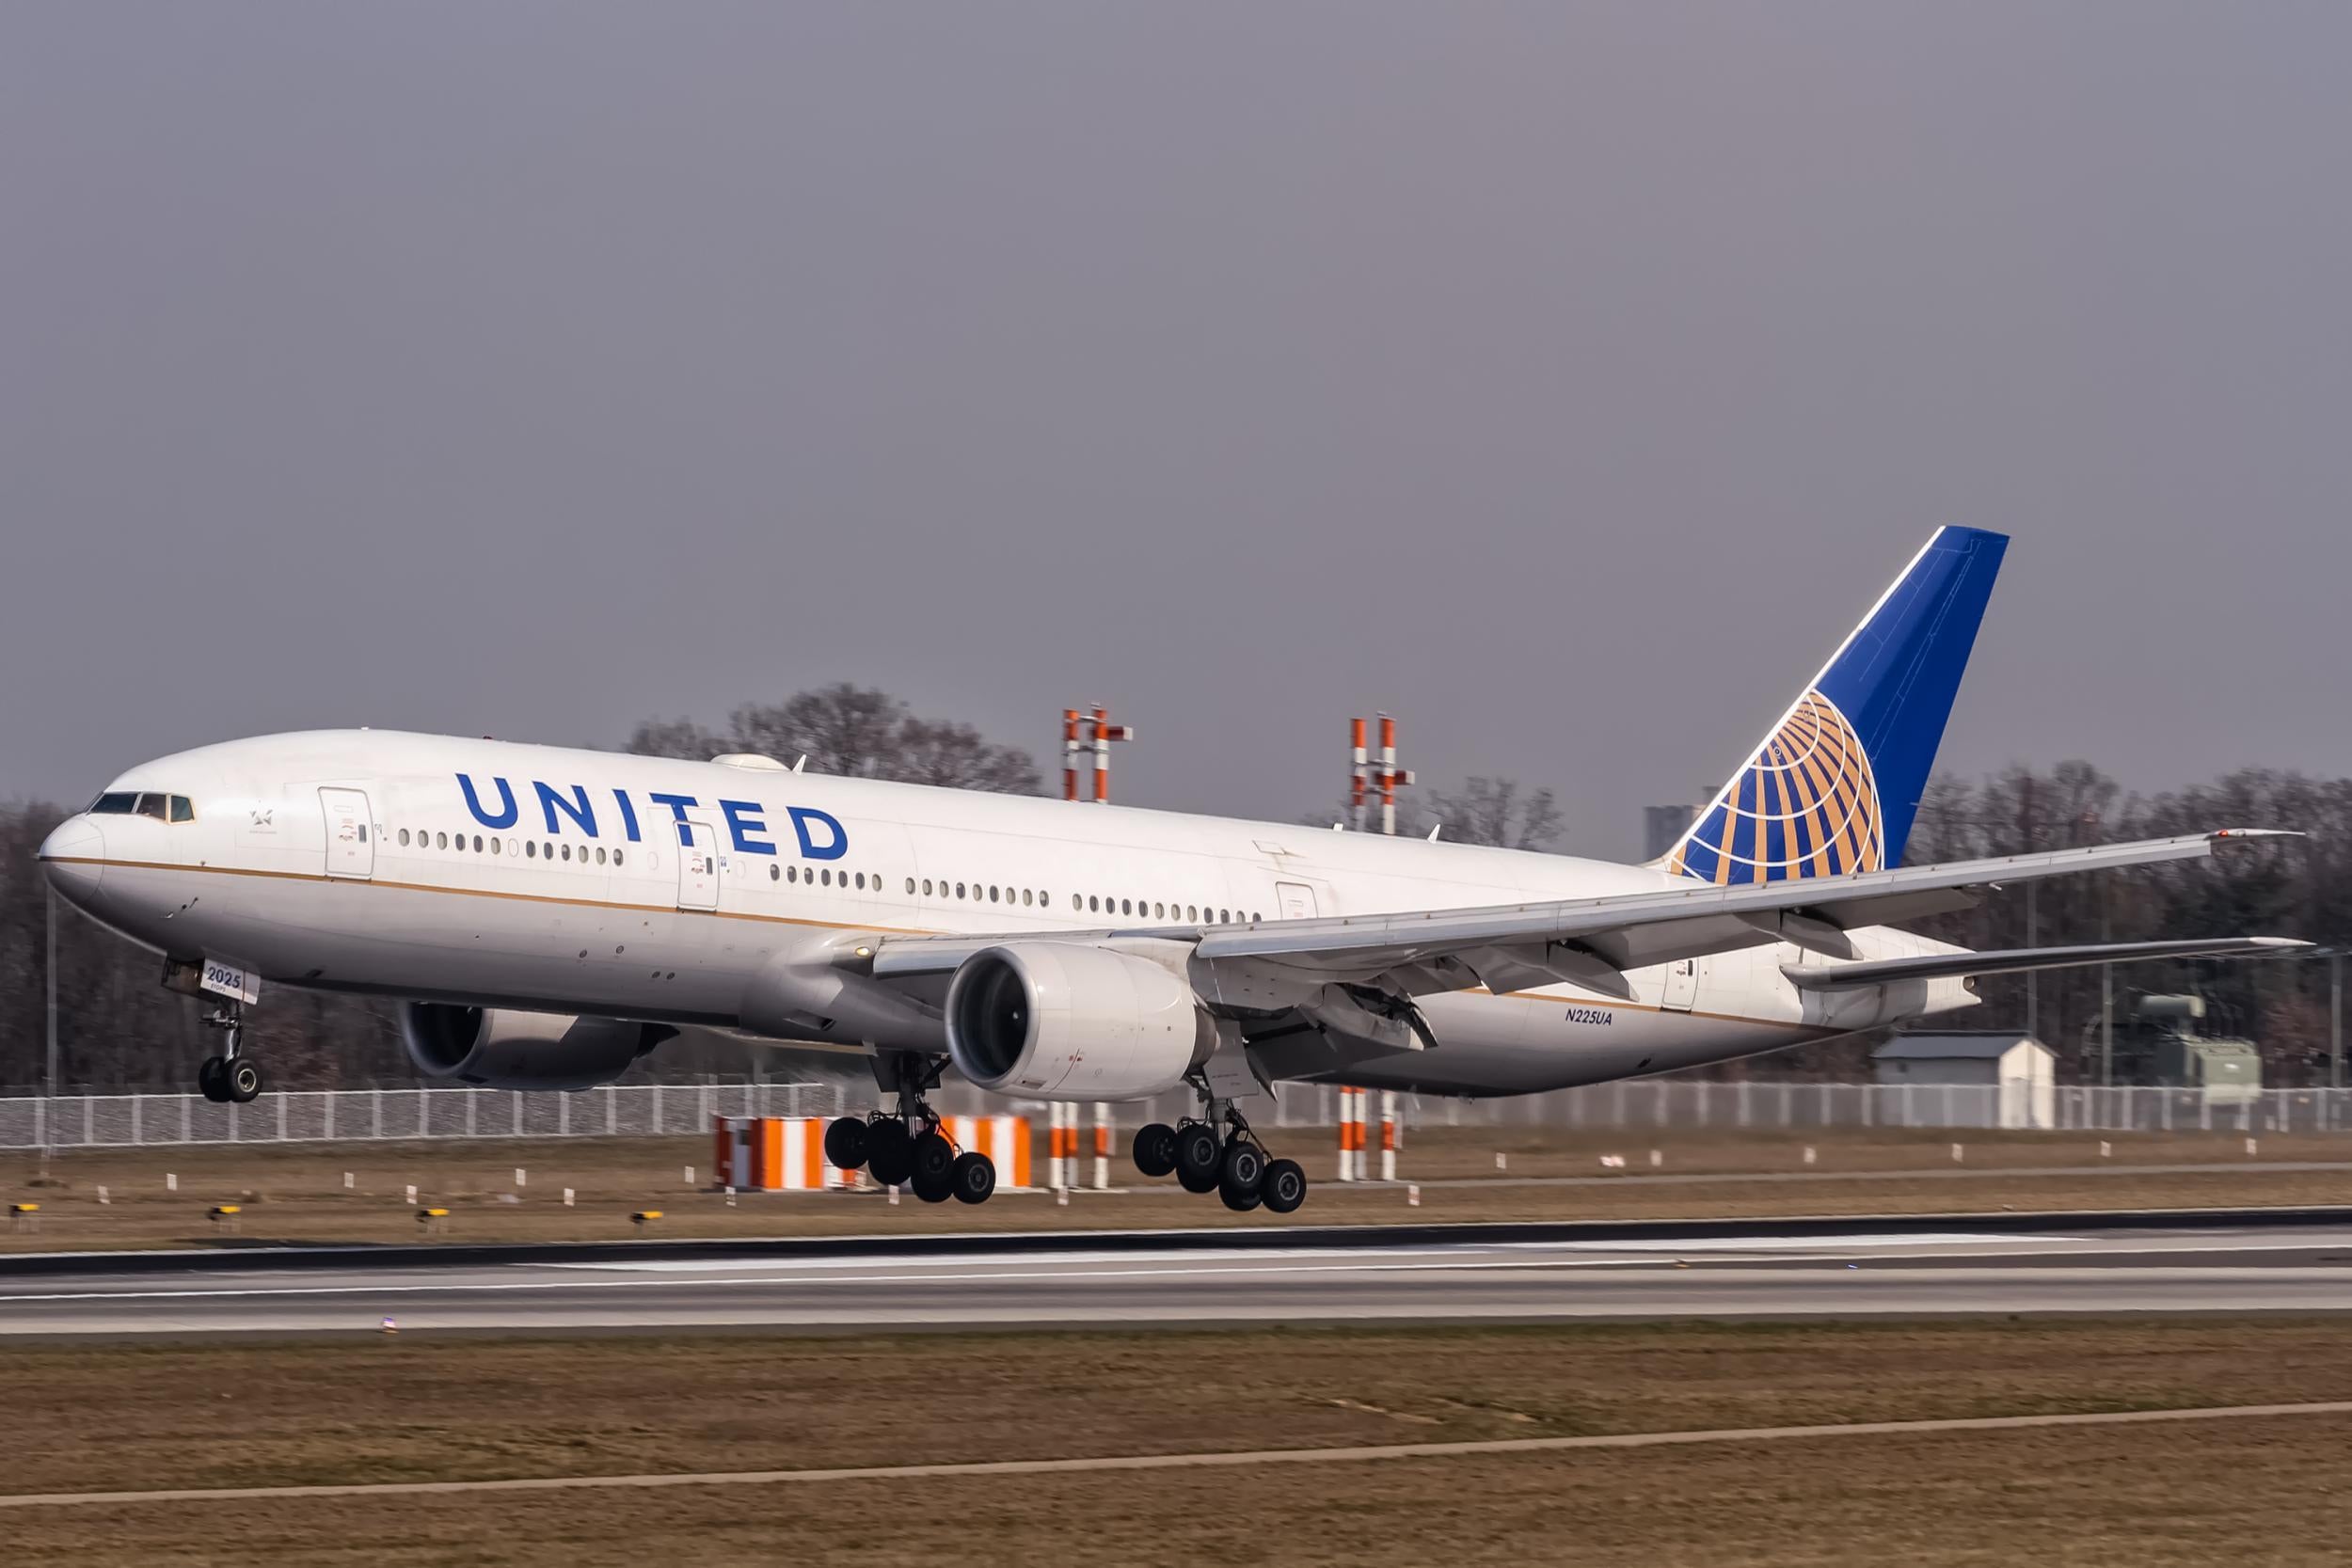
x=1967 y=1078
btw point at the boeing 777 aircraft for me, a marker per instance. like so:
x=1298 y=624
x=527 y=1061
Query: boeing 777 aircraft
x=548 y=916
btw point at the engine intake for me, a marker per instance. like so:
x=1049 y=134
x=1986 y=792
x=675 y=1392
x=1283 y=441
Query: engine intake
x=1073 y=1021
x=503 y=1049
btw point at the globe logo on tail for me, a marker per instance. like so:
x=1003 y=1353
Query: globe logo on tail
x=1805 y=805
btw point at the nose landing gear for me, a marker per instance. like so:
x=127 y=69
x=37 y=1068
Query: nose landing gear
x=1234 y=1167
x=232 y=1077
x=906 y=1148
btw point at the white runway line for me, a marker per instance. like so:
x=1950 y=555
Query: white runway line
x=1176 y=1461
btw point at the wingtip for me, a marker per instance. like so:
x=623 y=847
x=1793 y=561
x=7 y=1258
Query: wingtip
x=2235 y=833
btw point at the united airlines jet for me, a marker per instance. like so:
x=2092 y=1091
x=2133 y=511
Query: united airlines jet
x=545 y=917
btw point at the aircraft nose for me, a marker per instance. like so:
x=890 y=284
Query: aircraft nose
x=74 y=854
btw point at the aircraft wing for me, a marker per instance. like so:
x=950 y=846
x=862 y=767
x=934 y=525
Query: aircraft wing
x=2013 y=960
x=1592 y=942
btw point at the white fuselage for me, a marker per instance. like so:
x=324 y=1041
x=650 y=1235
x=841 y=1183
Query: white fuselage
x=332 y=860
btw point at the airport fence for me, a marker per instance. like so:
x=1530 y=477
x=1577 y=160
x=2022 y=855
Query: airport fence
x=647 y=1110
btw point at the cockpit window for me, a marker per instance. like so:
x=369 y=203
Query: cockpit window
x=151 y=805
x=163 y=808
x=114 y=803
x=183 y=809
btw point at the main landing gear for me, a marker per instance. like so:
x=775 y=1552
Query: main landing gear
x=906 y=1148
x=1234 y=1167
x=232 y=1077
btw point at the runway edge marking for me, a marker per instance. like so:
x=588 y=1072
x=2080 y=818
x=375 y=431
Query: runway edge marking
x=1184 y=1461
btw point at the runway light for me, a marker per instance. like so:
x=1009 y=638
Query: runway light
x=391 y=1326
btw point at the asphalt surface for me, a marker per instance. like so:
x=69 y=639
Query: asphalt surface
x=1903 y=1266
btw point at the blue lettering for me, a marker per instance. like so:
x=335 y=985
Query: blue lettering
x=743 y=821
x=629 y=814
x=677 y=803
x=802 y=817
x=473 y=802
x=575 y=808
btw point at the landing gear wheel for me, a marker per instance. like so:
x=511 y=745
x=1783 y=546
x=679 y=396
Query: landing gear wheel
x=973 y=1176
x=208 y=1080
x=1239 y=1199
x=241 y=1081
x=1198 y=1156
x=1242 y=1167
x=845 y=1143
x=1156 y=1149
x=889 y=1153
x=935 y=1157
x=1284 y=1186
x=934 y=1187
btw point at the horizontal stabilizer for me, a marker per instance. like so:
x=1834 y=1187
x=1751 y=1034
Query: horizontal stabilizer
x=1944 y=966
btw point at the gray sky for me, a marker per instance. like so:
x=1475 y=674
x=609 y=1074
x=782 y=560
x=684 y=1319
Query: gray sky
x=1564 y=379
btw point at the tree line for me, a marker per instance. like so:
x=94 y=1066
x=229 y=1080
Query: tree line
x=118 y=1028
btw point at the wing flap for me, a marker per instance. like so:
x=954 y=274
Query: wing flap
x=1944 y=966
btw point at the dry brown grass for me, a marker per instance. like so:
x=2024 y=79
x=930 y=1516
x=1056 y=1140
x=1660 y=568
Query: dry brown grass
x=2266 y=1490
x=294 y=1192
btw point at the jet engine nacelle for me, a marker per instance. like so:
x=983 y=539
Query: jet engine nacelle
x=1073 y=1022
x=503 y=1049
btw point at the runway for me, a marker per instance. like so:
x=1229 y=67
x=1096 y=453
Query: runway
x=1532 y=1273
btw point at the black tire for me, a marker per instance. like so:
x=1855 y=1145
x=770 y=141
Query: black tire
x=1198 y=1156
x=1240 y=1200
x=208 y=1080
x=934 y=1189
x=973 y=1177
x=242 y=1081
x=1156 y=1149
x=1283 y=1187
x=889 y=1151
x=845 y=1143
x=1242 y=1166
x=935 y=1157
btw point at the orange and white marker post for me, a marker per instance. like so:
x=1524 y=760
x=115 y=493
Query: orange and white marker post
x=1387 y=1134
x=1351 y=1134
x=1102 y=1143
x=1060 y=1144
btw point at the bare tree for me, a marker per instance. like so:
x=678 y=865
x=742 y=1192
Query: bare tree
x=853 y=732
x=1491 y=811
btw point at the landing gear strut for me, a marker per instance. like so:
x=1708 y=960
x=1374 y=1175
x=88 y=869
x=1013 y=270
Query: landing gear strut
x=1234 y=1166
x=907 y=1147
x=232 y=1077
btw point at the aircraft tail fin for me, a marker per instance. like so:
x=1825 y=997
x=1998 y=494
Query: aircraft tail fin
x=1831 y=789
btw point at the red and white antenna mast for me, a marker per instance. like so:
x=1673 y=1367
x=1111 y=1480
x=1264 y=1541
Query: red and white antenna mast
x=1083 y=731
x=1364 y=775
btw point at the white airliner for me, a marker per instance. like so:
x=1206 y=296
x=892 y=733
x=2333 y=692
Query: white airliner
x=547 y=916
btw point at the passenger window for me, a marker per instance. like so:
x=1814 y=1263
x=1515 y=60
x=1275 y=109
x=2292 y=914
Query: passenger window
x=477 y=844
x=826 y=875
x=440 y=841
x=1025 y=896
x=1126 y=906
x=1093 y=903
x=991 y=893
x=494 y=847
x=1224 y=917
x=151 y=805
x=568 y=851
x=404 y=838
x=958 y=890
x=1159 y=911
x=1044 y=900
x=600 y=857
x=616 y=857
x=1191 y=913
x=181 y=811
x=530 y=849
x=776 y=873
x=861 y=881
x=547 y=851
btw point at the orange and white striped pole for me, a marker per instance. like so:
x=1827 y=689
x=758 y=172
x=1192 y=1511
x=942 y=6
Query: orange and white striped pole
x=1356 y=770
x=1387 y=1134
x=1070 y=754
x=1057 y=1146
x=1351 y=1134
x=1102 y=1146
x=1391 y=776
